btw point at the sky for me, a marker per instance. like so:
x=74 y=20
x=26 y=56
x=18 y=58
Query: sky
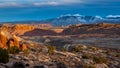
x=22 y=10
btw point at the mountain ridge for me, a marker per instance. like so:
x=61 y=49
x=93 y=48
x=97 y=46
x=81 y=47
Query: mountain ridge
x=81 y=19
x=65 y=20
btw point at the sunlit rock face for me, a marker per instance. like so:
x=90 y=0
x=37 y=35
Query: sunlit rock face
x=3 y=40
x=21 y=29
x=7 y=40
x=16 y=29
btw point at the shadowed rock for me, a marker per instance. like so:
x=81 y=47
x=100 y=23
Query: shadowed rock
x=39 y=32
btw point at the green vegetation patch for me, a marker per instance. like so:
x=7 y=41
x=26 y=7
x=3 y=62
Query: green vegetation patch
x=100 y=60
x=4 y=56
x=86 y=56
x=51 y=49
x=13 y=50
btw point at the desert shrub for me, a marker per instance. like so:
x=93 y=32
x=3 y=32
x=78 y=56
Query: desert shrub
x=108 y=51
x=63 y=50
x=118 y=55
x=4 y=56
x=86 y=56
x=26 y=52
x=89 y=66
x=92 y=48
x=78 y=48
x=51 y=49
x=13 y=50
x=74 y=52
x=100 y=60
x=114 y=54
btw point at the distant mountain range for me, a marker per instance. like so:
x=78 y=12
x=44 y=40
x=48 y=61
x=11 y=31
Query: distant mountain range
x=76 y=19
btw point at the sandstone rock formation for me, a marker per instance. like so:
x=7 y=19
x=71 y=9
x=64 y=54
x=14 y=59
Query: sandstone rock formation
x=91 y=29
x=20 y=29
x=7 y=40
x=100 y=29
x=17 y=29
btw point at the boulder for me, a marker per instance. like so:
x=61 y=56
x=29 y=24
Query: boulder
x=23 y=47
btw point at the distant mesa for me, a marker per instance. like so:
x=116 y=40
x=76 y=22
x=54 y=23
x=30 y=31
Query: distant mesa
x=93 y=29
x=39 y=32
x=100 y=29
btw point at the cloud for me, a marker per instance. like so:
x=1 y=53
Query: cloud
x=8 y=4
x=19 y=3
x=45 y=3
x=58 y=2
x=71 y=1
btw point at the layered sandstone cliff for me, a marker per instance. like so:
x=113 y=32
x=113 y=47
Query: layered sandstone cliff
x=20 y=29
x=7 y=40
x=17 y=29
x=97 y=29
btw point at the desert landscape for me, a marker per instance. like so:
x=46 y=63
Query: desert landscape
x=38 y=46
x=59 y=33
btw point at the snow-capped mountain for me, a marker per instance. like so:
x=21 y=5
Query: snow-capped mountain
x=75 y=19
x=113 y=16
